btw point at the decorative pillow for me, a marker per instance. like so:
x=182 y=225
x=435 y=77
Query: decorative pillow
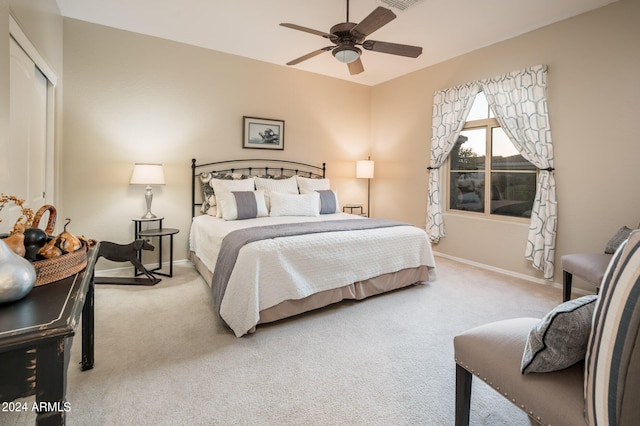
x=207 y=193
x=285 y=186
x=224 y=185
x=268 y=176
x=328 y=200
x=310 y=184
x=238 y=205
x=208 y=197
x=617 y=239
x=560 y=339
x=295 y=204
x=611 y=365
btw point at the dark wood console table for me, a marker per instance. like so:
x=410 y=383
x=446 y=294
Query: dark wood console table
x=35 y=341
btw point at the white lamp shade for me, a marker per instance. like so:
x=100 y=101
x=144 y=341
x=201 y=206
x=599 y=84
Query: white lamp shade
x=147 y=174
x=364 y=169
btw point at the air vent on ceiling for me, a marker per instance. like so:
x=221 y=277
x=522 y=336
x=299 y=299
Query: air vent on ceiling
x=399 y=4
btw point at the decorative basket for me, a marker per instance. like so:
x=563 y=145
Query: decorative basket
x=57 y=268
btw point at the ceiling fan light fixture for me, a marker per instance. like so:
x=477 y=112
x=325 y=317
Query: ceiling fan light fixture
x=346 y=54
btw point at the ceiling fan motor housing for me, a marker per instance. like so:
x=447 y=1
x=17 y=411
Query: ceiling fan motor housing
x=341 y=33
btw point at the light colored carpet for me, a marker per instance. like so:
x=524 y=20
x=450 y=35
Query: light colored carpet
x=163 y=357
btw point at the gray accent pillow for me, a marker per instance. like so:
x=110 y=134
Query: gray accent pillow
x=617 y=239
x=560 y=339
x=238 y=205
x=246 y=204
x=328 y=201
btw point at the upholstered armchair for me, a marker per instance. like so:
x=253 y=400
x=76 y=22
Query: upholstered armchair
x=579 y=365
x=589 y=266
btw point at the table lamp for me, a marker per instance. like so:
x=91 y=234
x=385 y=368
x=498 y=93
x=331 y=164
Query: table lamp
x=147 y=174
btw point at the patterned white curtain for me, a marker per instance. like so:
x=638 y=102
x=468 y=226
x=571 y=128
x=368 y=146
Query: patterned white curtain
x=450 y=110
x=519 y=102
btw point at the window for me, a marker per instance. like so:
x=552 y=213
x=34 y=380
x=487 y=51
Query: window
x=512 y=179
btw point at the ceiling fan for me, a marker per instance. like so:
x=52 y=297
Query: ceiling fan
x=346 y=36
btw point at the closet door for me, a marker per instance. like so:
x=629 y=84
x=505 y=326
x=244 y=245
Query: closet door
x=27 y=134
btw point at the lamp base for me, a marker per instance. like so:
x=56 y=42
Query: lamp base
x=149 y=215
x=148 y=197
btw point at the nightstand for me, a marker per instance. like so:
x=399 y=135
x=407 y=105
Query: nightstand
x=159 y=232
x=352 y=207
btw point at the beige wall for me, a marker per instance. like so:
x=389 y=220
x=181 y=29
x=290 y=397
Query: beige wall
x=593 y=92
x=133 y=98
x=41 y=21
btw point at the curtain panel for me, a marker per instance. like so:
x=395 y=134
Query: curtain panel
x=450 y=110
x=518 y=99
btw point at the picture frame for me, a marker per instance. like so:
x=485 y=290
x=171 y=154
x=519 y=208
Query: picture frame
x=262 y=133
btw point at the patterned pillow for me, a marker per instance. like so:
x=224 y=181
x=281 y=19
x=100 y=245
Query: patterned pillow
x=617 y=239
x=560 y=339
x=207 y=193
x=208 y=196
x=612 y=376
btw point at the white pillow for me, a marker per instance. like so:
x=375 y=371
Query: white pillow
x=285 y=186
x=328 y=200
x=309 y=184
x=295 y=204
x=238 y=205
x=227 y=185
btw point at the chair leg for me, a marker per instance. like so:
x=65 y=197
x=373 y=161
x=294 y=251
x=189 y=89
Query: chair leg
x=463 y=396
x=566 y=285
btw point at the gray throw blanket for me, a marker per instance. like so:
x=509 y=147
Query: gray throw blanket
x=235 y=240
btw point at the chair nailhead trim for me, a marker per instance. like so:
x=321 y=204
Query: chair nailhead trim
x=497 y=388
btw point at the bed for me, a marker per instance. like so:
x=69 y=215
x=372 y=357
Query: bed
x=270 y=240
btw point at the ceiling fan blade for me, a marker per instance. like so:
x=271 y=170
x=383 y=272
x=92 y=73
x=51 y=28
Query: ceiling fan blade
x=310 y=55
x=393 y=48
x=374 y=21
x=355 y=67
x=305 y=29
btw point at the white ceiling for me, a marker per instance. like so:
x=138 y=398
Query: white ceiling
x=444 y=28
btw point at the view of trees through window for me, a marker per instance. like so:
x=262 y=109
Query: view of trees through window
x=512 y=179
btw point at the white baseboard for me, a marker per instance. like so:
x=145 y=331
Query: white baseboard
x=509 y=273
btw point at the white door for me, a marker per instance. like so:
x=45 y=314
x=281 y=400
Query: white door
x=27 y=135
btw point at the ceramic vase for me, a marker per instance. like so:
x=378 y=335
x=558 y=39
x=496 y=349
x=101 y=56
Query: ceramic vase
x=17 y=275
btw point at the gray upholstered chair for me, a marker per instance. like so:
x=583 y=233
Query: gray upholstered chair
x=604 y=389
x=589 y=266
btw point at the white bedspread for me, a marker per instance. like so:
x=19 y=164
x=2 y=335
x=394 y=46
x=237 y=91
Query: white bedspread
x=271 y=271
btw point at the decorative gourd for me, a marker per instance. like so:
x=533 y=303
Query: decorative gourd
x=34 y=239
x=49 y=250
x=15 y=242
x=66 y=241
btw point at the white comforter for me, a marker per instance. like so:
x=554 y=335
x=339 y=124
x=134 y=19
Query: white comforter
x=271 y=271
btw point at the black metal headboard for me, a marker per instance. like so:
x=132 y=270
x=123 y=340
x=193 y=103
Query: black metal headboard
x=251 y=167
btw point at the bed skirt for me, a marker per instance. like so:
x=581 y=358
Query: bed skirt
x=356 y=291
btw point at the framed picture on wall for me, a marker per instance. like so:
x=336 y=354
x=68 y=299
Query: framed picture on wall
x=262 y=133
